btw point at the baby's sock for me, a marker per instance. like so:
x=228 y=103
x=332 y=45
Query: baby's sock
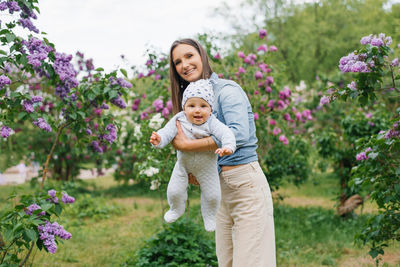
x=172 y=215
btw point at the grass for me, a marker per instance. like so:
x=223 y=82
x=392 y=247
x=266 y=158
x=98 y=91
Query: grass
x=308 y=232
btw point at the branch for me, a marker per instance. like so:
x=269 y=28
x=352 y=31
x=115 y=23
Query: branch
x=27 y=255
x=60 y=129
x=391 y=72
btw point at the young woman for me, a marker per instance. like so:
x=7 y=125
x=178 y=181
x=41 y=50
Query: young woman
x=245 y=226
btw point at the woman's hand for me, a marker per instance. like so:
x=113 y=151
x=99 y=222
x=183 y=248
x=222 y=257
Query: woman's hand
x=180 y=141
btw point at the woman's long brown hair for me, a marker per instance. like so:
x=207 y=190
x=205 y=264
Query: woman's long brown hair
x=178 y=85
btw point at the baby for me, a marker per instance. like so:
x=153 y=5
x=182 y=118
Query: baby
x=197 y=121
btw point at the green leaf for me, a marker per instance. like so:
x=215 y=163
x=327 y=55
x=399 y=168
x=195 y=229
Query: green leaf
x=46 y=207
x=99 y=69
x=58 y=210
x=3 y=52
x=72 y=116
x=113 y=94
x=31 y=234
x=22 y=115
x=10 y=37
x=123 y=71
x=82 y=114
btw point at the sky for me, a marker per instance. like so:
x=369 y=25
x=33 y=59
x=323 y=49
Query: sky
x=105 y=31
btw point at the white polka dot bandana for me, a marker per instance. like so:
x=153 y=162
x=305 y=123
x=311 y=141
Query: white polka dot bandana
x=201 y=89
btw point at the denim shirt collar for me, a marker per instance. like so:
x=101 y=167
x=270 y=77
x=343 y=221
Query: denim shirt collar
x=214 y=78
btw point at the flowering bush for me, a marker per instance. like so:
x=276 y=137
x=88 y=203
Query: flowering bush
x=40 y=85
x=377 y=170
x=31 y=223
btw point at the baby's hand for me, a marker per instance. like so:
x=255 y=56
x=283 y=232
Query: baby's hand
x=155 y=138
x=224 y=151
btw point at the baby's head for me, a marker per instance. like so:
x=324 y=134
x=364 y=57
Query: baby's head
x=197 y=101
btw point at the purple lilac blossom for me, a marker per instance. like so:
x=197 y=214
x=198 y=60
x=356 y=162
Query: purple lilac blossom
x=258 y=75
x=144 y=115
x=29 y=210
x=262 y=47
x=272 y=122
x=37 y=99
x=269 y=80
x=273 y=48
x=66 y=198
x=4 y=80
x=169 y=105
x=262 y=33
x=165 y=112
x=352 y=86
x=111 y=136
x=241 y=54
x=283 y=139
x=306 y=114
x=119 y=102
x=13 y=7
x=53 y=197
x=66 y=73
x=28 y=106
x=271 y=103
x=285 y=93
x=42 y=124
x=395 y=62
x=5 y=131
x=27 y=23
x=48 y=232
x=276 y=131
x=38 y=51
x=104 y=106
x=256 y=116
x=217 y=56
x=324 y=100
x=361 y=156
x=3 y=6
x=88 y=131
x=96 y=147
x=158 y=105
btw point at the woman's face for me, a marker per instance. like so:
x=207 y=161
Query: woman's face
x=187 y=62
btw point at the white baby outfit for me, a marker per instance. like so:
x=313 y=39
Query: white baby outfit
x=203 y=165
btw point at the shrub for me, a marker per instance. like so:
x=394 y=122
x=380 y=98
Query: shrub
x=183 y=243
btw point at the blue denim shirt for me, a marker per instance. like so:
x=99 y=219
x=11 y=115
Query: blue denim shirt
x=232 y=107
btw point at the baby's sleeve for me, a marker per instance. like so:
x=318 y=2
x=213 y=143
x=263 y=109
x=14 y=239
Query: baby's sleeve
x=223 y=133
x=168 y=132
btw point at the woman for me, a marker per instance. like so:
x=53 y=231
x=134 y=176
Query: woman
x=245 y=227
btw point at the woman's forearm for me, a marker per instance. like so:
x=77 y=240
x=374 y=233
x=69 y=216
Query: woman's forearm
x=197 y=145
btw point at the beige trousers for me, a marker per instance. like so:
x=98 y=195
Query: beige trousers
x=245 y=225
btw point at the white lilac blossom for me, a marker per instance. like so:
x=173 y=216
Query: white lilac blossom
x=352 y=86
x=155 y=184
x=156 y=121
x=149 y=172
x=137 y=132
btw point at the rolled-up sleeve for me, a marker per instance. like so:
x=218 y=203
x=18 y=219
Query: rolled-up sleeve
x=233 y=105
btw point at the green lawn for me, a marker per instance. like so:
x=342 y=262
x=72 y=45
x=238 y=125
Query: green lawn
x=110 y=222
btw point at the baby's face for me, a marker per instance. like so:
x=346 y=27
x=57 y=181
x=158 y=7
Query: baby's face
x=197 y=110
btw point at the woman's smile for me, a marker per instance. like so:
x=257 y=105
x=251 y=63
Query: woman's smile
x=187 y=62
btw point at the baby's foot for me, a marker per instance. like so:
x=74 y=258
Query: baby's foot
x=209 y=225
x=171 y=216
